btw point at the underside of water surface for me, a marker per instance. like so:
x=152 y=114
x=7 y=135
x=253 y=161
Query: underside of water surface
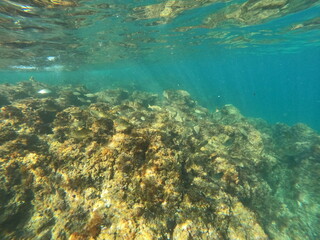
x=159 y=119
x=57 y=35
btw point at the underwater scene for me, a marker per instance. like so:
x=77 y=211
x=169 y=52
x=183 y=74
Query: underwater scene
x=160 y=119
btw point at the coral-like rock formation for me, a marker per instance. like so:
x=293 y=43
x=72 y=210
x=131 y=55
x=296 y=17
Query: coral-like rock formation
x=132 y=165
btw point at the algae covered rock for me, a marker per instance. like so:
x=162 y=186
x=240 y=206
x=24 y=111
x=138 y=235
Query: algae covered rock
x=135 y=165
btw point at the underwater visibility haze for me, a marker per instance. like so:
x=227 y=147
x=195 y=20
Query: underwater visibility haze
x=159 y=119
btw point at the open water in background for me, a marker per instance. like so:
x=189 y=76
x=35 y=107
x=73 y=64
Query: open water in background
x=263 y=57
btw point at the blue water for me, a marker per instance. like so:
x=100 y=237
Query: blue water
x=268 y=67
x=278 y=87
x=262 y=56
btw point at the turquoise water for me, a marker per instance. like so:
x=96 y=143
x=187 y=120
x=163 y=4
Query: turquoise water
x=260 y=56
x=105 y=161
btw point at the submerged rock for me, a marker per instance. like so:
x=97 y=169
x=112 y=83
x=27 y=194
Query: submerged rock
x=139 y=166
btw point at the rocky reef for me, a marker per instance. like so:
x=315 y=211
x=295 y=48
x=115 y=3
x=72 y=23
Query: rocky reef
x=134 y=165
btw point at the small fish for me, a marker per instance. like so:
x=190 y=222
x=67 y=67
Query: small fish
x=51 y=58
x=45 y=91
x=154 y=107
x=90 y=95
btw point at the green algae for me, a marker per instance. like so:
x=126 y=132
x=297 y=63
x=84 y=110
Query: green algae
x=134 y=165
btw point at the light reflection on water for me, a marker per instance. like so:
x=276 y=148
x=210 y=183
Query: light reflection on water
x=46 y=35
